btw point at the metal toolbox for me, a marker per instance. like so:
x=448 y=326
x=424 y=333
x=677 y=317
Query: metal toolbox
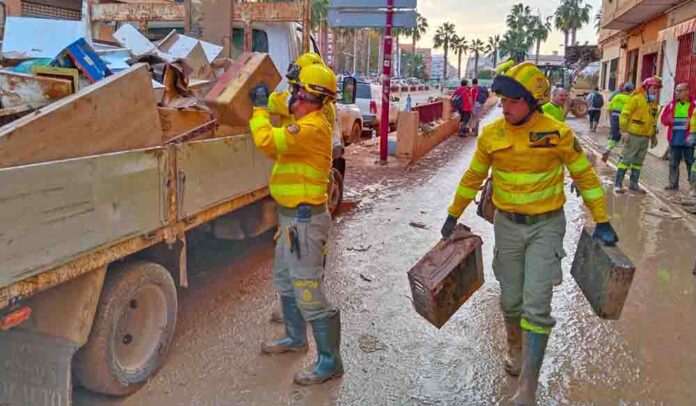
x=604 y=275
x=447 y=276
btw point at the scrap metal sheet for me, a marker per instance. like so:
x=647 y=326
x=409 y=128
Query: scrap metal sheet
x=39 y=37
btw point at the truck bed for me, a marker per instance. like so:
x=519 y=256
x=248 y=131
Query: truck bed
x=53 y=214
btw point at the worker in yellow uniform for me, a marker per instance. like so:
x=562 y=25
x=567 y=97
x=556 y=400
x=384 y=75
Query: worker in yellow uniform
x=526 y=153
x=639 y=119
x=279 y=105
x=555 y=108
x=298 y=184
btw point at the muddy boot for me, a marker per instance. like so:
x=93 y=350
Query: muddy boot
x=327 y=334
x=513 y=359
x=295 y=339
x=605 y=155
x=618 y=183
x=634 y=186
x=532 y=355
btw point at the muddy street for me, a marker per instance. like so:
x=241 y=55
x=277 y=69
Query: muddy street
x=392 y=355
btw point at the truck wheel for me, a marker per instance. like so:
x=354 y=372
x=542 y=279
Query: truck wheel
x=579 y=108
x=355 y=132
x=335 y=191
x=132 y=330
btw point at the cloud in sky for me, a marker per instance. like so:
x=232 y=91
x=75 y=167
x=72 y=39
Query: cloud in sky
x=484 y=18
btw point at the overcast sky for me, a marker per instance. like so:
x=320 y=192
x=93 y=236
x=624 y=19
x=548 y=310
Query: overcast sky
x=483 y=18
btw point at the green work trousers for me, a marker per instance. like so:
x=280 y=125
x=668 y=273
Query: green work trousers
x=634 y=152
x=527 y=261
x=302 y=276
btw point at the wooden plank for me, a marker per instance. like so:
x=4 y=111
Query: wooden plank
x=115 y=114
x=229 y=98
x=268 y=12
x=17 y=89
x=138 y=12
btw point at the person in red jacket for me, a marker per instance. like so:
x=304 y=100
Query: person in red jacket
x=462 y=99
x=676 y=117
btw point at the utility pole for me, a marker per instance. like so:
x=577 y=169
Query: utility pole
x=386 y=85
x=369 y=54
x=355 y=50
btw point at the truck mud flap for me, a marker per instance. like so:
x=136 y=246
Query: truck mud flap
x=35 y=369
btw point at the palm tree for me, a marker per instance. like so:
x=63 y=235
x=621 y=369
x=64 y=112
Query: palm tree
x=539 y=31
x=442 y=39
x=459 y=46
x=494 y=45
x=519 y=18
x=417 y=32
x=477 y=47
x=514 y=45
x=397 y=33
x=598 y=21
x=570 y=17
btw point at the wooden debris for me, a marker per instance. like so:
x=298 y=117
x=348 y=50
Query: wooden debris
x=18 y=89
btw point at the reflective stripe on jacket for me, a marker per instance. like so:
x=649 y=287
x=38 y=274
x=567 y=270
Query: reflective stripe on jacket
x=302 y=154
x=639 y=116
x=618 y=102
x=527 y=164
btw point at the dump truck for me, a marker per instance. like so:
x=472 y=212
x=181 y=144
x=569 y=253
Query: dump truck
x=94 y=245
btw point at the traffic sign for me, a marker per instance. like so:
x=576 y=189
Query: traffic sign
x=370 y=18
x=371 y=4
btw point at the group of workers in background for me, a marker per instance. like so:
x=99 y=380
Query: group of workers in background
x=633 y=118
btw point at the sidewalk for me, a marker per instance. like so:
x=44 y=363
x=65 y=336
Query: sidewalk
x=655 y=173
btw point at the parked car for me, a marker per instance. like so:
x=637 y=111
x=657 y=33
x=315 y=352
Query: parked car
x=369 y=100
x=350 y=118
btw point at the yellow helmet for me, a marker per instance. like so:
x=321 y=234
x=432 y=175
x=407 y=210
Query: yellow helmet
x=318 y=80
x=304 y=60
x=523 y=81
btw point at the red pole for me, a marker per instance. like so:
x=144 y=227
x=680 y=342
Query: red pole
x=386 y=85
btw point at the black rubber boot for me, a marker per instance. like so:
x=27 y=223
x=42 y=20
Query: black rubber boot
x=533 y=352
x=634 y=186
x=327 y=334
x=618 y=183
x=295 y=339
x=513 y=358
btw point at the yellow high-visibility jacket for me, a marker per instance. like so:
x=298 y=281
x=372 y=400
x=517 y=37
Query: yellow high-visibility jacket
x=527 y=164
x=302 y=154
x=639 y=116
x=278 y=105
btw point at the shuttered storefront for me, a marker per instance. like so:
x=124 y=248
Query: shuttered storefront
x=64 y=11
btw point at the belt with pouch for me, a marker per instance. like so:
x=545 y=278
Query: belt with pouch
x=529 y=219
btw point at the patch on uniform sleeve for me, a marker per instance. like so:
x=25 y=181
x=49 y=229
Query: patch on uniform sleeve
x=547 y=139
x=293 y=128
x=576 y=145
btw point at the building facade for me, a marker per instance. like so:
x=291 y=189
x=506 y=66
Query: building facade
x=642 y=38
x=437 y=70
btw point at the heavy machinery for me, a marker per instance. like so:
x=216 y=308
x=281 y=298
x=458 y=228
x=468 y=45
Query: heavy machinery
x=578 y=73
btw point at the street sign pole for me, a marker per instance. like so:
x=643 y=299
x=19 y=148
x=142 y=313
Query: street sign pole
x=386 y=85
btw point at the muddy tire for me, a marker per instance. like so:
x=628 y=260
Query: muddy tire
x=579 y=108
x=335 y=191
x=132 y=329
x=355 y=133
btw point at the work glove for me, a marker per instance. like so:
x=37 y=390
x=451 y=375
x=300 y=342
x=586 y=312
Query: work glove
x=293 y=73
x=605 y=233
x=448 y=227
x=259 y=96
x=653 y=141
x=574 y=189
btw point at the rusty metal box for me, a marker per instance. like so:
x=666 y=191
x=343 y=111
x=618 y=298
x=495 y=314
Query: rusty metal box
x=229 y=98
x=447 y=276
x=604 y=275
